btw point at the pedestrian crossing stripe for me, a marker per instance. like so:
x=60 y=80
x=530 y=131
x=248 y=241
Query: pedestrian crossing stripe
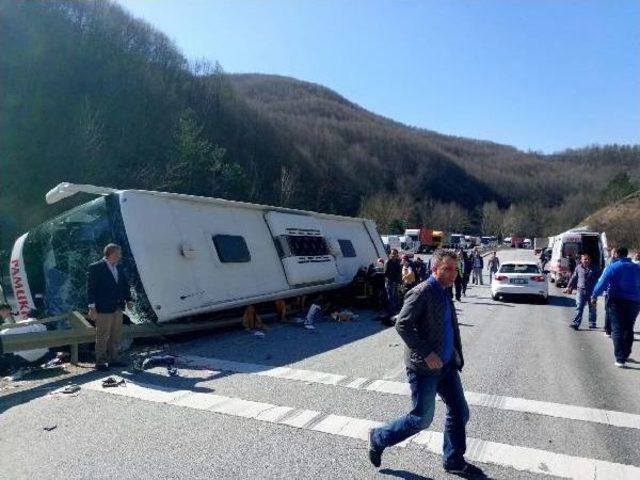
x=517 y=457
x=559 y=410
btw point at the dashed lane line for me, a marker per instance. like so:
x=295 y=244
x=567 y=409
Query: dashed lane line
x=517 y=457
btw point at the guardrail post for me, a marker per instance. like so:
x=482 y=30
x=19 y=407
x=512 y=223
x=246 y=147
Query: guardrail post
x=74 y=353
x=78 y=322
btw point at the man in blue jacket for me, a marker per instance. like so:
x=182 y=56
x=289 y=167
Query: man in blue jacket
x=428 y=325
x=622 y=279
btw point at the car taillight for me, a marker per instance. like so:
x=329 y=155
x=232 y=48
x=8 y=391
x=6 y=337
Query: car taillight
x=501 y=278
x=538 y=278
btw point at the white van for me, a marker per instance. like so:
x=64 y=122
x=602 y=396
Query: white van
x=572 y=244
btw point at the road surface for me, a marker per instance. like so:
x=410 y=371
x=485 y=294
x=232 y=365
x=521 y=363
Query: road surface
x=545 y=402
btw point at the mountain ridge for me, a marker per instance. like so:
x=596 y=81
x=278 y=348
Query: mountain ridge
x=92 y=95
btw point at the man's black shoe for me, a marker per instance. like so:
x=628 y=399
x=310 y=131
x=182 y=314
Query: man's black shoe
x=592 y=326
x=574 y=326
x=466 y=470
x=375 y=454
x=102 y=367
x=118 y=364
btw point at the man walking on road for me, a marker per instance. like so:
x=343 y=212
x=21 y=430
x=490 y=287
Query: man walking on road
x=622 y=279
x=107 y=292
x=584 y=279
x=393 y=278
x=494 y=264
x=428 y=325
x=478 y=265
x=607 y=317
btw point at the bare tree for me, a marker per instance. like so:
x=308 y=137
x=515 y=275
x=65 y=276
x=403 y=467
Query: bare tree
x=449 y=217
x=288 y=180
x=492 y=219
x=387 y=210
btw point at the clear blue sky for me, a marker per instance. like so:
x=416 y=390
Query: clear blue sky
x=539 y=74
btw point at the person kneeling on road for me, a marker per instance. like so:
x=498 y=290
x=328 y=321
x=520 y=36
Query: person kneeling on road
x=428 y=325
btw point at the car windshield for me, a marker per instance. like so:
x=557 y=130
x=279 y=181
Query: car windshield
x=519 y=268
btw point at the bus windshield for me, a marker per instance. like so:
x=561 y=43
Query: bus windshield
x=57 y=253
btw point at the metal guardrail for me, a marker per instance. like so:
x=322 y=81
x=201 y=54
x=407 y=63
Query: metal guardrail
x=82 y=331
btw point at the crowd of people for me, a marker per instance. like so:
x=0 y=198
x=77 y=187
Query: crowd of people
x=428 y=325
x=402 y=273
x=619 y=283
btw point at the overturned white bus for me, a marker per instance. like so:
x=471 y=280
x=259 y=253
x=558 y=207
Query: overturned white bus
x=187 y=255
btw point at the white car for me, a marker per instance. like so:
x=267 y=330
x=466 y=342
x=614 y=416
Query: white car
x=519 y=278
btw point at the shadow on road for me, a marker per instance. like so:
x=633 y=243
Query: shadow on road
x=495 y=304
x=403 y=474
x=562 y=301
x=24 y=396
x=178 y=382
x=282 y=345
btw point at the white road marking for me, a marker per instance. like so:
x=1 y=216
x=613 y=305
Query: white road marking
x=356 y=383
x=395 y=372
x=550 y=409
x=301 y=418
x=519 y=458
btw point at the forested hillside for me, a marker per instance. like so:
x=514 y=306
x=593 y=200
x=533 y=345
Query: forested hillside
x=427 y=177
x=621 y=221
x=90 y=95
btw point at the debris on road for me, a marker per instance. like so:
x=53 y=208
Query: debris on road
x=18 y=374
x=49 y=428
x=59 y=359
x=71 y=388
x=112 y=382
x=169 y=361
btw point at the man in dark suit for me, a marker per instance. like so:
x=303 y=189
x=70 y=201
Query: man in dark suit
x=107 y=292
x=428 y=325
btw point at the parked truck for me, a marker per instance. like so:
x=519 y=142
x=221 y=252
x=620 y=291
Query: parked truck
x=539 y=243
x=424 y=240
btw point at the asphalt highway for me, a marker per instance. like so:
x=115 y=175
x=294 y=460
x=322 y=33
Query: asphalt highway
x=545 y=401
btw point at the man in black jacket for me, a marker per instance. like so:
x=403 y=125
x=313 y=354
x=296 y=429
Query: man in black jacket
x=429 y=328
x=107 y=292
x=393 y=277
